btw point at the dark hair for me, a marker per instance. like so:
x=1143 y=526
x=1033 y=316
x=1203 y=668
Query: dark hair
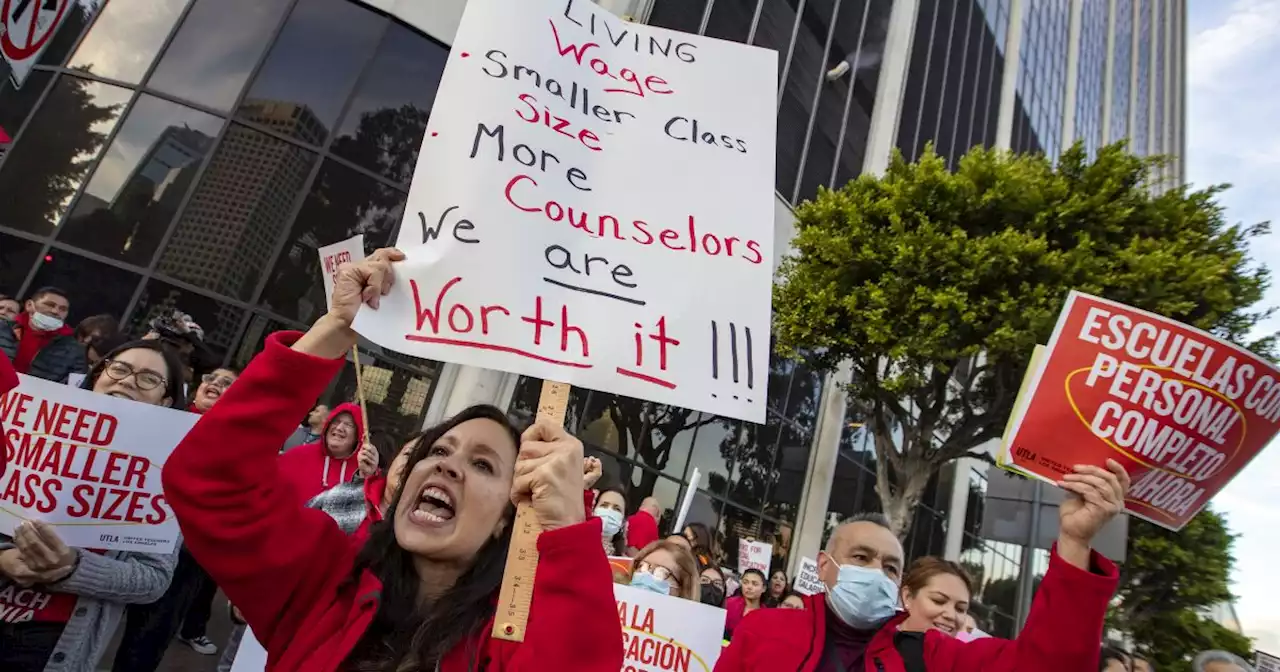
x=104 y=324
x=407 y=635
x=763 y=582
x=702 y=538
x=1110 y=653
x=172 y=377
x=56 y=291
x=620 y=539
x=6 y=297
x=924 y=569
x=768 y=597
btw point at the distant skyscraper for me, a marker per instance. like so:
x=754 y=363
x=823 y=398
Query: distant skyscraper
x=229 y=230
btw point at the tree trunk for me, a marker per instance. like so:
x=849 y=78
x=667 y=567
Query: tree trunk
x=899 y=499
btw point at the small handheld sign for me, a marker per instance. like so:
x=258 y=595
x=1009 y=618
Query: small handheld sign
x=516 y=593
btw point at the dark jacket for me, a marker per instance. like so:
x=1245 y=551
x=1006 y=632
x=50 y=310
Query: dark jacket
x=62 y=357
x=1061 y=635
x=290 y=572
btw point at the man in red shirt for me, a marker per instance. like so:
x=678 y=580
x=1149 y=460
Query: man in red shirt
x=642 y=527
x=39 y=342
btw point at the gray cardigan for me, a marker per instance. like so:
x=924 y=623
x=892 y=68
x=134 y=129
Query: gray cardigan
x=104 y=584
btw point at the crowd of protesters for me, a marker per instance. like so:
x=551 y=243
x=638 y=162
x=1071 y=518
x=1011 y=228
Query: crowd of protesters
x=346 y=551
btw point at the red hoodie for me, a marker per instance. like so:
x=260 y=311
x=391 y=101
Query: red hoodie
x=291 y=567
x=312 y=470
x=32 y=342
x=8 y=381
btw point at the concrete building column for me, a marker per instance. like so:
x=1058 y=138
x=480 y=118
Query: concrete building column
x=1009 y=79
x=1073 y=75
x=881 y=139
x=1109 y=74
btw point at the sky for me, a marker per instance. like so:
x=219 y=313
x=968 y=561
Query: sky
x=1232 y=136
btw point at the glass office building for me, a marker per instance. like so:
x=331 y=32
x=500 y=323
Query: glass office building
x=194 y=154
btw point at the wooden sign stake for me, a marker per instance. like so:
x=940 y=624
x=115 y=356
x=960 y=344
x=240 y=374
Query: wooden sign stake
x=364 y=411
x=516 y=593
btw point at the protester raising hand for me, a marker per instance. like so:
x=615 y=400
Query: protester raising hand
x=368 y=461
x=1097 y=496
x=420 y=591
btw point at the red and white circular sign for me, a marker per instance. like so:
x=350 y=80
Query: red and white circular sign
x=28 y=26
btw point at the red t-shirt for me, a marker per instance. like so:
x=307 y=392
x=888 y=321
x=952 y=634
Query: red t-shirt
x=642 y=530
x=34 y=604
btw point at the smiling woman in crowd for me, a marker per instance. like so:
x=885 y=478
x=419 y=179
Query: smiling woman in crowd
x=80 y=595
x=935 y=595
x=419 y=594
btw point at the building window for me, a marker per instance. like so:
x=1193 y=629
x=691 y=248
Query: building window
x=342 y=203
x=245 y=226
x=313 y=67
x=125 y=39
x=42 y=173
x=92 y=287
x=143 y=177
x=216 y=49
x=387 y=117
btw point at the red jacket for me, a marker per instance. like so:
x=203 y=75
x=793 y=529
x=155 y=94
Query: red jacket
x=8 y=381
x=311 y=470
x=642 y=530
x=286 y=566
x=1062 y=633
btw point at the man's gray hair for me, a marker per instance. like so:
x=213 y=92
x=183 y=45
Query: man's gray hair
x=864 y=517
x=1206 y=657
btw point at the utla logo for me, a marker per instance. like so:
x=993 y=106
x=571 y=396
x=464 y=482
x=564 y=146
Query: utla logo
x=1025 y=453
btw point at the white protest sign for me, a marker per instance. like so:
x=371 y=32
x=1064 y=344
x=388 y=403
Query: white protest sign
x=335 y=255
x=89 y=465
x=807 y=581
x=26 y=28
x=251 y=656
x=1266 y=662
x=593 y=204
x=754 y=555
x=664 y=633
x=692 y=490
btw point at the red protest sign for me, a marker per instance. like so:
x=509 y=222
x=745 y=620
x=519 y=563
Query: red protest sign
x=1183 y=411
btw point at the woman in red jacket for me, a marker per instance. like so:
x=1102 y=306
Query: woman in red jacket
x=419 y=595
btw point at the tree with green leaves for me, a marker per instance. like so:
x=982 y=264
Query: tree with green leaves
x=934 y=286
x=1168 y=582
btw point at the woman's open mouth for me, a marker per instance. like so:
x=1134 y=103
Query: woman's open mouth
x=434 y=506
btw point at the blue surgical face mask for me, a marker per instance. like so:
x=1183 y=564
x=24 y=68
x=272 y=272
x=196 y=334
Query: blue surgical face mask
x=863 y=598
x=612 y=520
x=649 y=582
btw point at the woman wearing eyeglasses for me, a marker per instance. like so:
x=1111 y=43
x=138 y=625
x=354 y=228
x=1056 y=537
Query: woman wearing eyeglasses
x=667 y=568
x=333 y=460
x=77 y=595
x=212 y=385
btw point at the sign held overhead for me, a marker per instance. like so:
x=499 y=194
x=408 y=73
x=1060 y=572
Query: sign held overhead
x=26 y=28
x=593 y=204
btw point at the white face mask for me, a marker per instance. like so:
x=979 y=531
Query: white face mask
x=612 y=520
x=42 y=322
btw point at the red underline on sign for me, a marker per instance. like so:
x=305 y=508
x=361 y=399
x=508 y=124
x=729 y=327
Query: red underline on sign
x=497 y=348
x=648 y=379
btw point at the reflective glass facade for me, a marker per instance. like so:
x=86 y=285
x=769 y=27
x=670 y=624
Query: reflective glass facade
x=1090 y=79
x=1122 y=63
x=193 y=154
x=952 y=97
x=1042 y=77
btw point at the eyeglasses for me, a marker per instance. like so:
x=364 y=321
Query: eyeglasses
x=344 y=423
x=708 y=581
x=217 y=381
x=659 y=572
x=146 y=379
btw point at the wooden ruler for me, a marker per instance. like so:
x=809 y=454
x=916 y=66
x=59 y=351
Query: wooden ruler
x=522 y=558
